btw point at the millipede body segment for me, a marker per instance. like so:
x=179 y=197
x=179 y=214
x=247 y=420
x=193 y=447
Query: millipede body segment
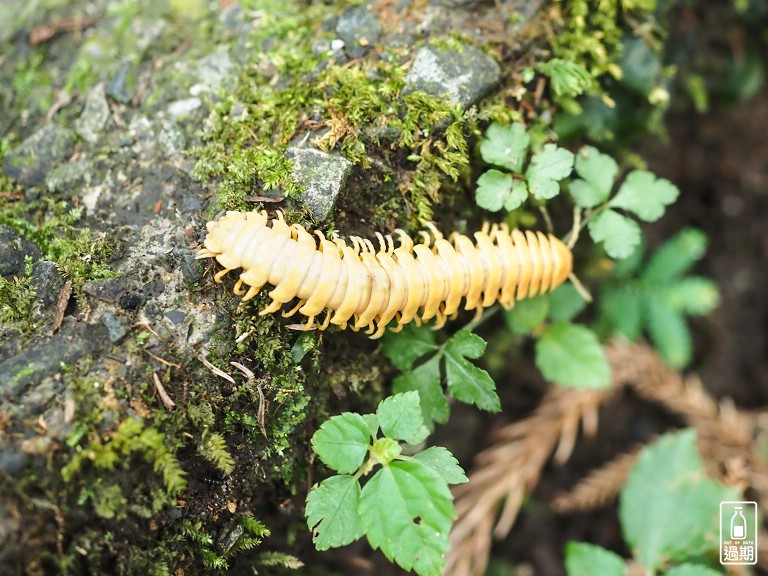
x=365 y=288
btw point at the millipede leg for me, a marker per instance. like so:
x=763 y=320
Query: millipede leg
x=219 y=275
x=272 y=308
x=294 y=309
x=238 y=287
x=326 y=322
x=252 y=291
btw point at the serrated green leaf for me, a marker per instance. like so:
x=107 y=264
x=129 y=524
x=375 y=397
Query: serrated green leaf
x=466 y=381
x=669 y=332
x=565 y=303
x=669 y=508
x=571 y=355
x=527 y=315
x=548 y=166
x=425 y=379
x=400 y=418
x=342 y=442
x=691 y=295
x=598 y=170
x=493 y=188
x=675 y=257
x=406 y=510
x=404 y=348
x=692 y=570
x=620 y=235
x=332 y=512
x=443 y=462
x=582 y=559
x=505 y=146
x=373 y=424
x=645 y=195
x=517 y=196
x=621 y=308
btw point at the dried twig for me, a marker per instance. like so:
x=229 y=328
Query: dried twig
x=61 y=305
x=220 y=373
x=167 y=401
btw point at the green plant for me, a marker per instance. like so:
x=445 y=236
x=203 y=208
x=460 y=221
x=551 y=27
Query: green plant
x=668 y=481
x=656 y=295
x=405 y=508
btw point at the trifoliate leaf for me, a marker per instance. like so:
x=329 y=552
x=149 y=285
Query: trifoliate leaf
x=466 y=381
x=571 y=355
x=548 y=166
x=691 y=295
x=669 y=332
x=692 y=570
x=404 y=348
x=342 y=442
x=425 y=379
x=582 y=559
x=505 y=146
x=400 y=418
x=669 y=507
x=565 y=303
x=620 y=235
x=406 y=509
x=493 y=189
x=598 y=172
x=675 y=257
x=645 y=195
x=527 y=315
x=443 y=462
x=332 y=512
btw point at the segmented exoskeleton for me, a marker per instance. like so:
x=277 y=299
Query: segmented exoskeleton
x=365 y=288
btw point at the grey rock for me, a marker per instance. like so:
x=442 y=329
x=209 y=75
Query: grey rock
x=109 y=289
x=214 y=70
x=13 y=462
x=68 y=175
x=456 y=3
x=359 y=29
x=33 y=159
x=171 y=139
x=462 y=76
x=175 y=316
x=48 y=283
x=191 y=268
x=184 y=107
x=14 y=248
x=322 y=175
x=45 y=359
x=123 y=86
x=95 y=114
x=115 y=328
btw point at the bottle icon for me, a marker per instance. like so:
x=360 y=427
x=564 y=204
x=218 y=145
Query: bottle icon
x=738 y=525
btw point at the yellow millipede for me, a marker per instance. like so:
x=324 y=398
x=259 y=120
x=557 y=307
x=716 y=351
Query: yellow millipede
x=365 y=288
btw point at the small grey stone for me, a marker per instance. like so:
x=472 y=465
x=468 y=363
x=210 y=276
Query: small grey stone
x=123 y=86
x=191 y=268
x=14 y=248
x=358 y=28
x=33 y=159
x=171 y=139
x=109 y=289
x=68 y=175
x=214 y=70
x=175 y=316
x=95 y=114
x=462 y=76
x=12 y=461
x=322 y=175
x=114 y=325
x=175 y=513
x=47 y=281
x=184 y=107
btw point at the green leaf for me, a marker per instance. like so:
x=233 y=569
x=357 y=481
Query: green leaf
x=645 y=195
x=497 y=190
x=404 y=348
x=582 y=559
x=565 y=303
x=568 y=78
x=692 y=570
x=676 y=256
x=342 y=442
x=332 y=512
x=527 y=315
x=571 y=355
x=466 y=381
x=547 y=167
x=598 y=172
x=425 y=379
x=505 y=146
x=619 y=234
x=691 y=295
x=621 y=308
x=669 y=508
x=443 y=462
x=400 y=418
x=406 y=510
x=372 y=422
x=669 y=332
